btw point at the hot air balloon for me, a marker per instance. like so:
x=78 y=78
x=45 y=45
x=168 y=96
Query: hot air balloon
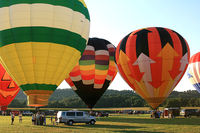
x=40 y=42
x=152 y=61
x=8 y=89
x=95 y=71
x=194 y=71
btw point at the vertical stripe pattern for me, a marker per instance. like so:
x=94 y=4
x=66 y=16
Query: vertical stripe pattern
x=194 y=71
x=152 y=61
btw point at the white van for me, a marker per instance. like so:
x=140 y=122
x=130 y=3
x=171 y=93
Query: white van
x=74 y=116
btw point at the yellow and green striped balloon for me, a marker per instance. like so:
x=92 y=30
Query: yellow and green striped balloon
x=40 y=42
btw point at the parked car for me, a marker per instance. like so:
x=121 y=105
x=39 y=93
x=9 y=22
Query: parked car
x=27 y=113
x=171 y=112
x=74 y=116
x=190 y=112
x=127 y=111
x=15 y=112
x=102 y=114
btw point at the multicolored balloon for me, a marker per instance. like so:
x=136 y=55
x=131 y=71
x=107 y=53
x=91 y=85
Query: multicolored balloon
x=194 y=71
x=152 y=61
x=95 y=71
x=40 y=42
x=8 y=89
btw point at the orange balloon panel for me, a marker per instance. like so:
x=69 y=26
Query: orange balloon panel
x=152 y=61
x=8 y=89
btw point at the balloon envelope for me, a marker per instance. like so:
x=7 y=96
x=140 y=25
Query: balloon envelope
x=194 y=71
x=40 y=42
x=95 y=71
x=152 y=61
x=8 y=89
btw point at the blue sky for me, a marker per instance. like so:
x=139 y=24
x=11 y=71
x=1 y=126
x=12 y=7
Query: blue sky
x=114 y=19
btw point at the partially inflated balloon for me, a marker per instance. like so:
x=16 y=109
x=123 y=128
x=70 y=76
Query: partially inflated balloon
x=194 y=71
x=8 y=89
x=40 y=42
x=152 y=61
x=95 y=71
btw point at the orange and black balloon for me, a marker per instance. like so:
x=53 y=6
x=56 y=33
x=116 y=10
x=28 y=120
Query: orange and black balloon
x=95 y=71
x=152 y=61
x=8 y=89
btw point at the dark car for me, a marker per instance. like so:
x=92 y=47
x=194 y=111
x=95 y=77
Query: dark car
x=103 y=114
x=190 y=112
x=99 y=114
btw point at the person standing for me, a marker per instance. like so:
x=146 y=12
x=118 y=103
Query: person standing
x=12 y=118
x=41 y=119
x=34 y=119
x=55 y=121
x=20 y=117
x=38 y=118
x=44 y=120
x=51 y=119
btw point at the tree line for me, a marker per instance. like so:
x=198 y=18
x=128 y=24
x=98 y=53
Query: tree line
x=67 y=98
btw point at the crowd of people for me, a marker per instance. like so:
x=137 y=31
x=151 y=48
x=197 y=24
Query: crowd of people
x=163 y=114
x=39 y=119
x=13 y=117
x=156 y=114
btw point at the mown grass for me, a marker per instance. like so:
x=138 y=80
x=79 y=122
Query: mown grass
x=114 y=123
x=101 y=109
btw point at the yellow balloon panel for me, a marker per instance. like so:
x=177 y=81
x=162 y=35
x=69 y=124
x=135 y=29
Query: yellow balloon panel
x=42 y=63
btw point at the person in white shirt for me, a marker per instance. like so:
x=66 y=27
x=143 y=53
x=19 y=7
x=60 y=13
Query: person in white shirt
x=12 y=118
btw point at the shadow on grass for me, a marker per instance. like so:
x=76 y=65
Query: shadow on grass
x=175 y=121
x=109 y=126
x=103 y=126
x=136 y=132
x=94 y=126
x=60 y=126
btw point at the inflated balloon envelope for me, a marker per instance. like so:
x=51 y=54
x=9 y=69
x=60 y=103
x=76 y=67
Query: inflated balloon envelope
x=194 y=71
x=8 y=89
x=152 y=61
x=40 y=42
x=95 y=71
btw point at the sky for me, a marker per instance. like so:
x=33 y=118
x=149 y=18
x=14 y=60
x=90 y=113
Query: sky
x=114 y=19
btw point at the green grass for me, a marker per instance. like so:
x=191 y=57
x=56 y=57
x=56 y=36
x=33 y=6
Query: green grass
x=115 y=123
x=100 y=109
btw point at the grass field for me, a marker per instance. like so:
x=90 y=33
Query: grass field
x=114 y=123
x=98 y=109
